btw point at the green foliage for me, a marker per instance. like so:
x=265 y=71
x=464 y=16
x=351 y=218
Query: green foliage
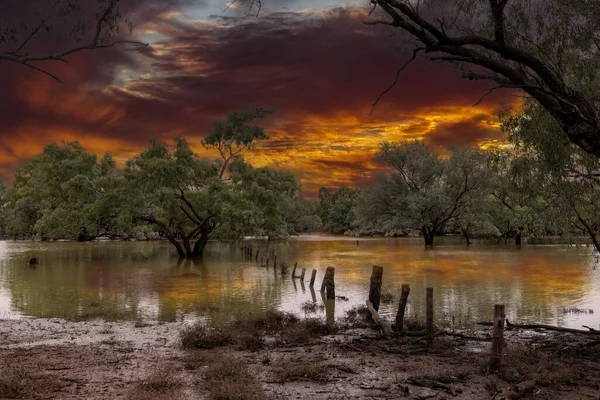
x=425 y=191
x=63 y=193
x=300 y=215
x=235 y=134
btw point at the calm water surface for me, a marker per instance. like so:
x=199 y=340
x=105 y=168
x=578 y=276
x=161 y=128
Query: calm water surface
x=131 y=280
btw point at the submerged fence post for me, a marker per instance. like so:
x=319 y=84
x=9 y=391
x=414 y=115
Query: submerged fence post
x=274 y=261
x=312 y=278
x=399 y=325
x=302 y=274
x=429 y=320
x=375 y=287
x=497 y=337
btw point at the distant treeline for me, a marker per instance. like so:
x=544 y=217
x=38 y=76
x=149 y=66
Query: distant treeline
x=539 y=186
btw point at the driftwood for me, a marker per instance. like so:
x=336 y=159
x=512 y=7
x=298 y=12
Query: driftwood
x=387 y=328
x=590 y=331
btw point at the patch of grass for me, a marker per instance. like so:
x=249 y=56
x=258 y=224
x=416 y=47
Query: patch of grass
x=310 y=307
x=247 y=332
x=17 y=383
x=356 y=317
x=160 y=384
x=228 y=379
x=303 y=331
x=201 y=335
x=301 y=371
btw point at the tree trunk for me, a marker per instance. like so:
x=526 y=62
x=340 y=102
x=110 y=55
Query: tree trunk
x=198 y=250
x=428 y=236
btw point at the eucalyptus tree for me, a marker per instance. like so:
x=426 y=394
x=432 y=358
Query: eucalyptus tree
x=65 y=192
x=236 y=133
x=566 y=177
x=432 y=191
x=548 y=49
x=184 y=198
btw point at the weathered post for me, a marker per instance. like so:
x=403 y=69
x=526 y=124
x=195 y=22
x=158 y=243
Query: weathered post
x=302 y=274
x=375 y=287
x=274 y=261
x=256 y=259
x=328 y=284
x=399 y=325
x=312 y=278
x=267 y=262
x=250 y=250
x=429 y=320
x=294 y=270
x=497 y=337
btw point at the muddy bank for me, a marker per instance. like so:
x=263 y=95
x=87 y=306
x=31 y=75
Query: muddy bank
x=51 y=358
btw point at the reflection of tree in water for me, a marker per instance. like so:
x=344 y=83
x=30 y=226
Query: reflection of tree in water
x=113 y=280
x=216 y=288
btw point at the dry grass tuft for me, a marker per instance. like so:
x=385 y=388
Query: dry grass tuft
x=17 y=383
x=228 y=379
x=160 y=384
x=247 y=332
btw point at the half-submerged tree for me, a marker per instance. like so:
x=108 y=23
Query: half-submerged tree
x=27 y=28
x=184 y=198
x=431 y=191
x=549 y=49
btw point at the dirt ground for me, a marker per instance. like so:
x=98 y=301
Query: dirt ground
x=51 y=358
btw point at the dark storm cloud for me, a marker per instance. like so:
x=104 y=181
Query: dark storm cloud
x=320 y=71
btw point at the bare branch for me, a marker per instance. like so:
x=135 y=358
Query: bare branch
x=414 y=56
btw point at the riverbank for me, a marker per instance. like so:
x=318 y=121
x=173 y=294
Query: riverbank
x=52 y=358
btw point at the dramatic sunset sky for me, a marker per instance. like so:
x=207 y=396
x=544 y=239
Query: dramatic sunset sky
x=312 y=61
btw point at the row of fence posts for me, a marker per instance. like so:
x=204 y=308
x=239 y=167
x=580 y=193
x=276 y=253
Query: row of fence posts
x=374 y=300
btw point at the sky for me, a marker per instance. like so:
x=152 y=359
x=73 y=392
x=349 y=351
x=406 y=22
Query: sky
x=311 y=61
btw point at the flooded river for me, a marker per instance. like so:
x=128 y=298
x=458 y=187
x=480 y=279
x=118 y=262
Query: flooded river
x=145 y=280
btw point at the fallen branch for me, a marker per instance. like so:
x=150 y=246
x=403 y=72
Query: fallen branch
x=590 y=331
x=387 y=328
x=462 y=336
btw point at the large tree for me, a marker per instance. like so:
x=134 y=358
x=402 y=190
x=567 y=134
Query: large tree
x=184 y=198
x=549 y=49
x=431 y=191
x=65 y=192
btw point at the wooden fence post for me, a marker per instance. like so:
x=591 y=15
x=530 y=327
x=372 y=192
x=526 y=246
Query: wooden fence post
x=312 y=278
x=375 y=287
x=302 y=274
x=274 y=261
x=399 y=325
x=329 y=283
x=497 y=337
x=294 y=270
x=429 y=321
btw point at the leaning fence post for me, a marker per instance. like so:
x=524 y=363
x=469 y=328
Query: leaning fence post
x=302 y=274
x=375 y=288
x=497 y=337
x=429 y=321
x=399 y=325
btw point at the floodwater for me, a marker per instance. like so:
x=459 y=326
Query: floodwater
x=556 y=285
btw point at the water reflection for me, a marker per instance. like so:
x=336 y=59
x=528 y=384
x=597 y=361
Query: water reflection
x=124 y=280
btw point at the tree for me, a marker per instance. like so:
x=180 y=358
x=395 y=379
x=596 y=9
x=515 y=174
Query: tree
x=550 y=49
x=26 y=31
x=235 y=134
x=432 y=191
x=567 y=177
x=300 y=215
x=64 y=192
x=185 y=199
